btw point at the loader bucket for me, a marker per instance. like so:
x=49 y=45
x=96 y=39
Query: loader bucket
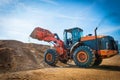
x=33 y=34
x=41 y=34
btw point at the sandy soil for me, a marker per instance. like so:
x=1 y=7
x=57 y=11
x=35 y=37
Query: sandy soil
x=17 y=56
x=108 y=70
x=22 y=61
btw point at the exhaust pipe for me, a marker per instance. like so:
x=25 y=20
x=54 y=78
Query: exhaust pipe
x=97 y=47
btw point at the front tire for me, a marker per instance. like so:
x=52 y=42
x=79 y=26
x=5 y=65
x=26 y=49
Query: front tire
x=84 y=56
x=51 y=57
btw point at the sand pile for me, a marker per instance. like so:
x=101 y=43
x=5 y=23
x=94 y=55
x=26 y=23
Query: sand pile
x=16 y=55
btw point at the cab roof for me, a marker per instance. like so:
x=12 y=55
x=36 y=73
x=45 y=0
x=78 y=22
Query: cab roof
x=71 y=29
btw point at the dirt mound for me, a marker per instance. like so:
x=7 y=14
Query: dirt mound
x=16 y=55
x=108 y=70
x=114 y=61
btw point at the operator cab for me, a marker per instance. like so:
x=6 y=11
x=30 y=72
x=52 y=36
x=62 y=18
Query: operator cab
x=71 y=36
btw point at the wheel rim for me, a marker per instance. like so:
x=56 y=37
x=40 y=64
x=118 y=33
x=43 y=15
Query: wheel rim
x=82 y=56
x=49 y=57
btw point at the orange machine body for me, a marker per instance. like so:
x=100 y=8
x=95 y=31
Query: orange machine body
x=105 y=43
x=106 y=49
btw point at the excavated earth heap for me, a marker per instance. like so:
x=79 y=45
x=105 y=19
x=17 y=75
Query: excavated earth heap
x=16 y=55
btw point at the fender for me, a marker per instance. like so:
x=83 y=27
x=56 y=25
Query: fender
x=73 y=47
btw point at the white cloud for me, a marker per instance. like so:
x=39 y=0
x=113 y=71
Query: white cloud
x=50 y=2
x=109 y=29
x=6 y=2
x=21 y=21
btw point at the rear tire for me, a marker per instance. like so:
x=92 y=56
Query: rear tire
x=51 y=57
x=84 y=56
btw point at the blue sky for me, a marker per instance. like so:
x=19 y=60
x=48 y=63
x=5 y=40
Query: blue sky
x=19 y=17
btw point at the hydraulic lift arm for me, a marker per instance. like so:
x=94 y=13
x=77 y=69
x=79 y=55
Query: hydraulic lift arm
x=46 y=35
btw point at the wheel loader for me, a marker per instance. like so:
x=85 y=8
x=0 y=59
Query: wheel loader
x=85 y=51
